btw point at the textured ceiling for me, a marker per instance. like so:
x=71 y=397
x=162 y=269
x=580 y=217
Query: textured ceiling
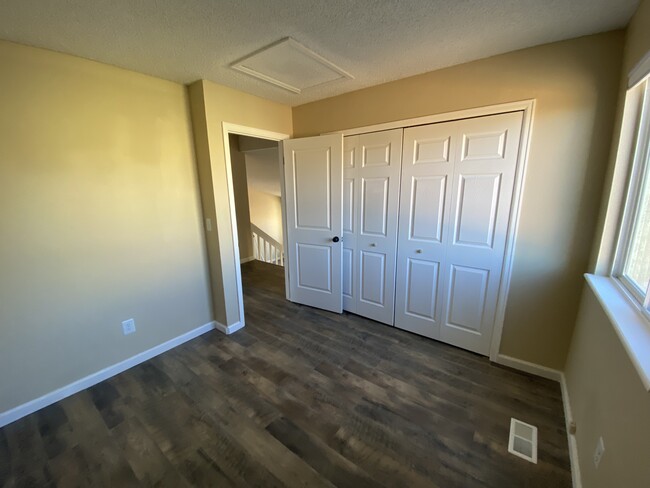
x=374 y=40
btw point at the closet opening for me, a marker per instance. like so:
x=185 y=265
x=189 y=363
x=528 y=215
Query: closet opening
x=411 y=224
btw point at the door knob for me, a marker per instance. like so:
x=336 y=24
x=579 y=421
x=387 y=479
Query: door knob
x=372 y=244
x=335 y=239
x=419 y=251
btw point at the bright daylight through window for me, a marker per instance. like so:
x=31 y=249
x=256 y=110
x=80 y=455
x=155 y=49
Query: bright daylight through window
x=632 y=266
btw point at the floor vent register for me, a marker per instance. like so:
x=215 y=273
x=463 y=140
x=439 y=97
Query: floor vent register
x=523 y=440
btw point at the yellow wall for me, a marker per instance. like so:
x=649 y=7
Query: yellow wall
x=607 y=399
x=637 y=42
x=575 y=84
x=212 y=105
x=266 y=212
x=605 y=391
x=240 y=191
x=100 y=218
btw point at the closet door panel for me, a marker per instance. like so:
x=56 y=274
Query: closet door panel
x=457 y=184
x=373 y=271
x=348 y=281
x=483 y=183
x=427 y=169
x=427 y=208
x=350 y=220
x=374 y=206
x=422 y=283
x=378 y=178
x=467 y=296
x=348 y=205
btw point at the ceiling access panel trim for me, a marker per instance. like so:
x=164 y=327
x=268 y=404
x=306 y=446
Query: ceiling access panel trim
x=304 y=54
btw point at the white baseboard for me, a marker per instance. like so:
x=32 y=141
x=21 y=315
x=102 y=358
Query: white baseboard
x=247 y=260
x=555 y=375
x=532 y=368
x=573 y=443
x=229 y=329
x=91 y=380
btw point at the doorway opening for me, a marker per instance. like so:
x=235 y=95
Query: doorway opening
x=255 y=187
x=258 y=199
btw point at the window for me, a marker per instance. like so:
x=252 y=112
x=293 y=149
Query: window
x=632 y=262
x=622 y=271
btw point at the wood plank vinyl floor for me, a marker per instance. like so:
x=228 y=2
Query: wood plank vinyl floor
x=299 y=397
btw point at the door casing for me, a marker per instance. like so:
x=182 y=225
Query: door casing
x=227 y=129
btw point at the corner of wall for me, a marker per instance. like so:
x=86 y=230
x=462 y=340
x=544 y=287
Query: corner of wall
x=198 y=112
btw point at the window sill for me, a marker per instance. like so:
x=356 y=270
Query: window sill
x=630 y=326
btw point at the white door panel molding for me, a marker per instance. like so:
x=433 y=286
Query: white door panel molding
x=455 y=213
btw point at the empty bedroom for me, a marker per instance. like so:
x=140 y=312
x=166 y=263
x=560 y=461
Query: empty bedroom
x=346 y=243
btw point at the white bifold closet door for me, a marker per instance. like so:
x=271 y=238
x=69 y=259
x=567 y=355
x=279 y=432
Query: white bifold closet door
x=371 y=179
x=456 y=193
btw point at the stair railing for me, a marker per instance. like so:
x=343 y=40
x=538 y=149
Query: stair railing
x=265 y=248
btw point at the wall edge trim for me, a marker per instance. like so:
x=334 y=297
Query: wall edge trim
x=554 y=375
x=229 y=329
x=528 y=367
x=228 y=128
x=640 y=70
x=573 y=443
x=92 y=379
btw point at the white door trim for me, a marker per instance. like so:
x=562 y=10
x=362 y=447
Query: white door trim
x=524 y=105
x=227 y=129
x=528 y=108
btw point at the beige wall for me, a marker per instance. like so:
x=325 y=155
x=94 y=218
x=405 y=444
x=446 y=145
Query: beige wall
x=637 y=42
x=266 y=212
x=100 y=218
x=607 y=399
x=575 y=84
x=212 y=105
x=263 y=170
x=240 y=190
x=605 y=391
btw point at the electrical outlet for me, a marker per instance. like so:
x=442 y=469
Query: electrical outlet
x=600 y=450
x=128 y=327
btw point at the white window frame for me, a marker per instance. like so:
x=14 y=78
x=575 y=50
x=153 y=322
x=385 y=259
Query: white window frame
x=625 y=307
x=640 y=156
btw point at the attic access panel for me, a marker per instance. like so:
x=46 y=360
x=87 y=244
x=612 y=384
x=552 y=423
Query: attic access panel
x=290 y=65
